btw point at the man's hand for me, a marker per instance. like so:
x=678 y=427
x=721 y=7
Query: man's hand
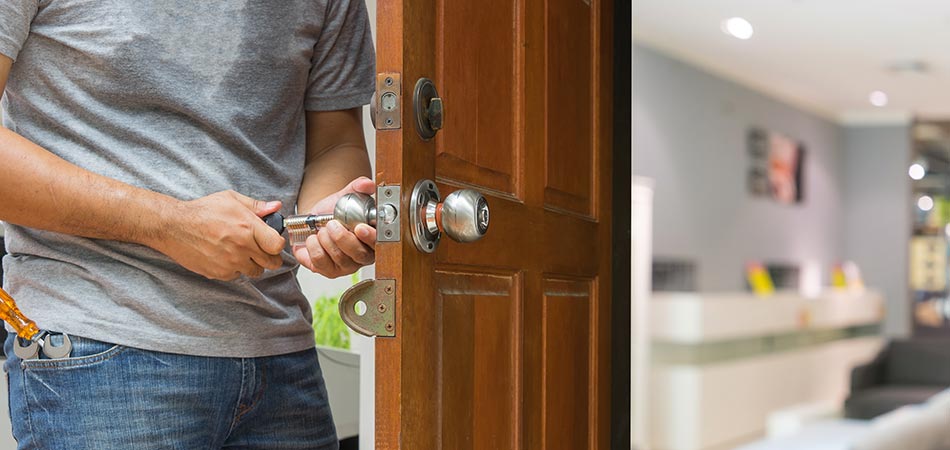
x=221 y=236
x=335 y=251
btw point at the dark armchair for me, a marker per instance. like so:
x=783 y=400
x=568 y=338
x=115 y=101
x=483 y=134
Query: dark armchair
x=905 y=372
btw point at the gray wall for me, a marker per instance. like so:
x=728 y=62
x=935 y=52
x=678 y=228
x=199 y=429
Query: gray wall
x=689 y=134
x=877 y=215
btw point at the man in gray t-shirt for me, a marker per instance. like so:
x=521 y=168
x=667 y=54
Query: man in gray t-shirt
x=143 y=141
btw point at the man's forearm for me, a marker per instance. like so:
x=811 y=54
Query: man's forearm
x=330 y=172
x=40 y=190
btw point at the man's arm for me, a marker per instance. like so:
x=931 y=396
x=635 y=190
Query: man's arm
x=219 y=236
x=337 y=164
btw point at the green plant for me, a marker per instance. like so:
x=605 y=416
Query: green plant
x=328 y=328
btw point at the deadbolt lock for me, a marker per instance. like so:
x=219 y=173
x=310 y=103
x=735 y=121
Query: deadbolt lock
x=429 y=110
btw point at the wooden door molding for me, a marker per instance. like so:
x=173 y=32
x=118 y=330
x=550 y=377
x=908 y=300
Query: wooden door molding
x=504 y=343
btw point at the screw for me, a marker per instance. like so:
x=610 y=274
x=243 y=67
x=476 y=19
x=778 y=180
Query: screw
x=389 y=192
x=389 y=121
x=389 y=289
x=389 y=327
x=381 y=308
x=389 y=81
x=389 y=233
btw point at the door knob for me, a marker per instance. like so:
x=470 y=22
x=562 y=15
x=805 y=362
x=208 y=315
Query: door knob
x=464 y=216
x=350 y=210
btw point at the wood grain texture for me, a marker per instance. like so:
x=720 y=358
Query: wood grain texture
x=476 y=74
x=568 y=366
x=476 y=362
x=481 y=356
x=569 y=98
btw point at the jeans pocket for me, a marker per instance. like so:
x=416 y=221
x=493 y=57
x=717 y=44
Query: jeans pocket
x=85 y=352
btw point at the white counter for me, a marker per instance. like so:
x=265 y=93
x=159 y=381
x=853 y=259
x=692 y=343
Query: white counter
x=724 y=361
x=695 y=318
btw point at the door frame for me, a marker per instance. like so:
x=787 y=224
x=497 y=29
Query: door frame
x=622 y=156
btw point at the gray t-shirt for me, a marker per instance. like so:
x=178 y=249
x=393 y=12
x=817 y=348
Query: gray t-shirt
x=185 y=98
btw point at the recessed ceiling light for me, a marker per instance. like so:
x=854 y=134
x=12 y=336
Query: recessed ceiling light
x=878 y=98
x=917 y=171
x=738 y=27
x=925 y=203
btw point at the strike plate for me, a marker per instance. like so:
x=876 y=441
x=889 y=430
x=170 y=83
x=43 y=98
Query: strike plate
x=376 y=299
x=387 y=213
x=387 y=104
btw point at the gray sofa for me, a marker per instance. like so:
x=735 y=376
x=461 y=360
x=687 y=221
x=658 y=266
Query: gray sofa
x=905 y=372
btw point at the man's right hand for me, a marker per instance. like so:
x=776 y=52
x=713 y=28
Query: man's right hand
x=221 y=236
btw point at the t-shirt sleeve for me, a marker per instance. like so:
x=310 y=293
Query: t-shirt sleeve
x=343 y=66
x=15 y=19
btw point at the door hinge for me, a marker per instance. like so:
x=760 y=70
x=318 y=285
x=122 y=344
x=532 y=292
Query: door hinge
x=369 y=308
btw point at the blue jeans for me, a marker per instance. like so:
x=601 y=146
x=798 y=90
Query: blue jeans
x=107 y=396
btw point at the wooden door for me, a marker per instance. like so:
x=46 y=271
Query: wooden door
x=503 y=343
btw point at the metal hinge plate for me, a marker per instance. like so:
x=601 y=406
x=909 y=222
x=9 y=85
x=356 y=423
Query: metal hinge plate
x=369 y=308
x=386 y=109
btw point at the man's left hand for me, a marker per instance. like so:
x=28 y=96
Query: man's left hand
x=335 y=251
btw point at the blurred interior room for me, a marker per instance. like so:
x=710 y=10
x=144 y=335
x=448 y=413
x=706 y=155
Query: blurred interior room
x=791 y=214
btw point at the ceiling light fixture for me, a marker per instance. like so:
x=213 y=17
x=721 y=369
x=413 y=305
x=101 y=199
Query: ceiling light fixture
x=925 y=203
x=738 y=28
x=878 y=98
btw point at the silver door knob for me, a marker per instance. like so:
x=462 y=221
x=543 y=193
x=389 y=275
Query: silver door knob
x=463 y=216
x=350 y=210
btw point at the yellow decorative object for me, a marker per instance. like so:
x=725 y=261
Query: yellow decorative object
x=760 y=280
x=838 y=279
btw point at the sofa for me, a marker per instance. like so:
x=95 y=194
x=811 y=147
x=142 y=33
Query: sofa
x=913 y=427
x=905 y=372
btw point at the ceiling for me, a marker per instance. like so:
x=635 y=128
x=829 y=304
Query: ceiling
x=825 y=56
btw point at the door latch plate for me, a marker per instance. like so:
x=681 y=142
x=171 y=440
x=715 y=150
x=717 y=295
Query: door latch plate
x=376 y=299
x=386 y=109
x=387 y=213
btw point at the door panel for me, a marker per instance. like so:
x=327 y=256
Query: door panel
x=567 y=365
x=569 y=106
x=480 y=354
x=475 y=64
x=502 y=343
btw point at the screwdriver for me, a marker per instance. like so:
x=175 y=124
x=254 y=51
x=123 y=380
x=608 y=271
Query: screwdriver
x=10 y=313
x=30 y=337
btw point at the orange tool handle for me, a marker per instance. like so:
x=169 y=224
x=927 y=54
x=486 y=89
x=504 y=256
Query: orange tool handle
x=10 y=313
